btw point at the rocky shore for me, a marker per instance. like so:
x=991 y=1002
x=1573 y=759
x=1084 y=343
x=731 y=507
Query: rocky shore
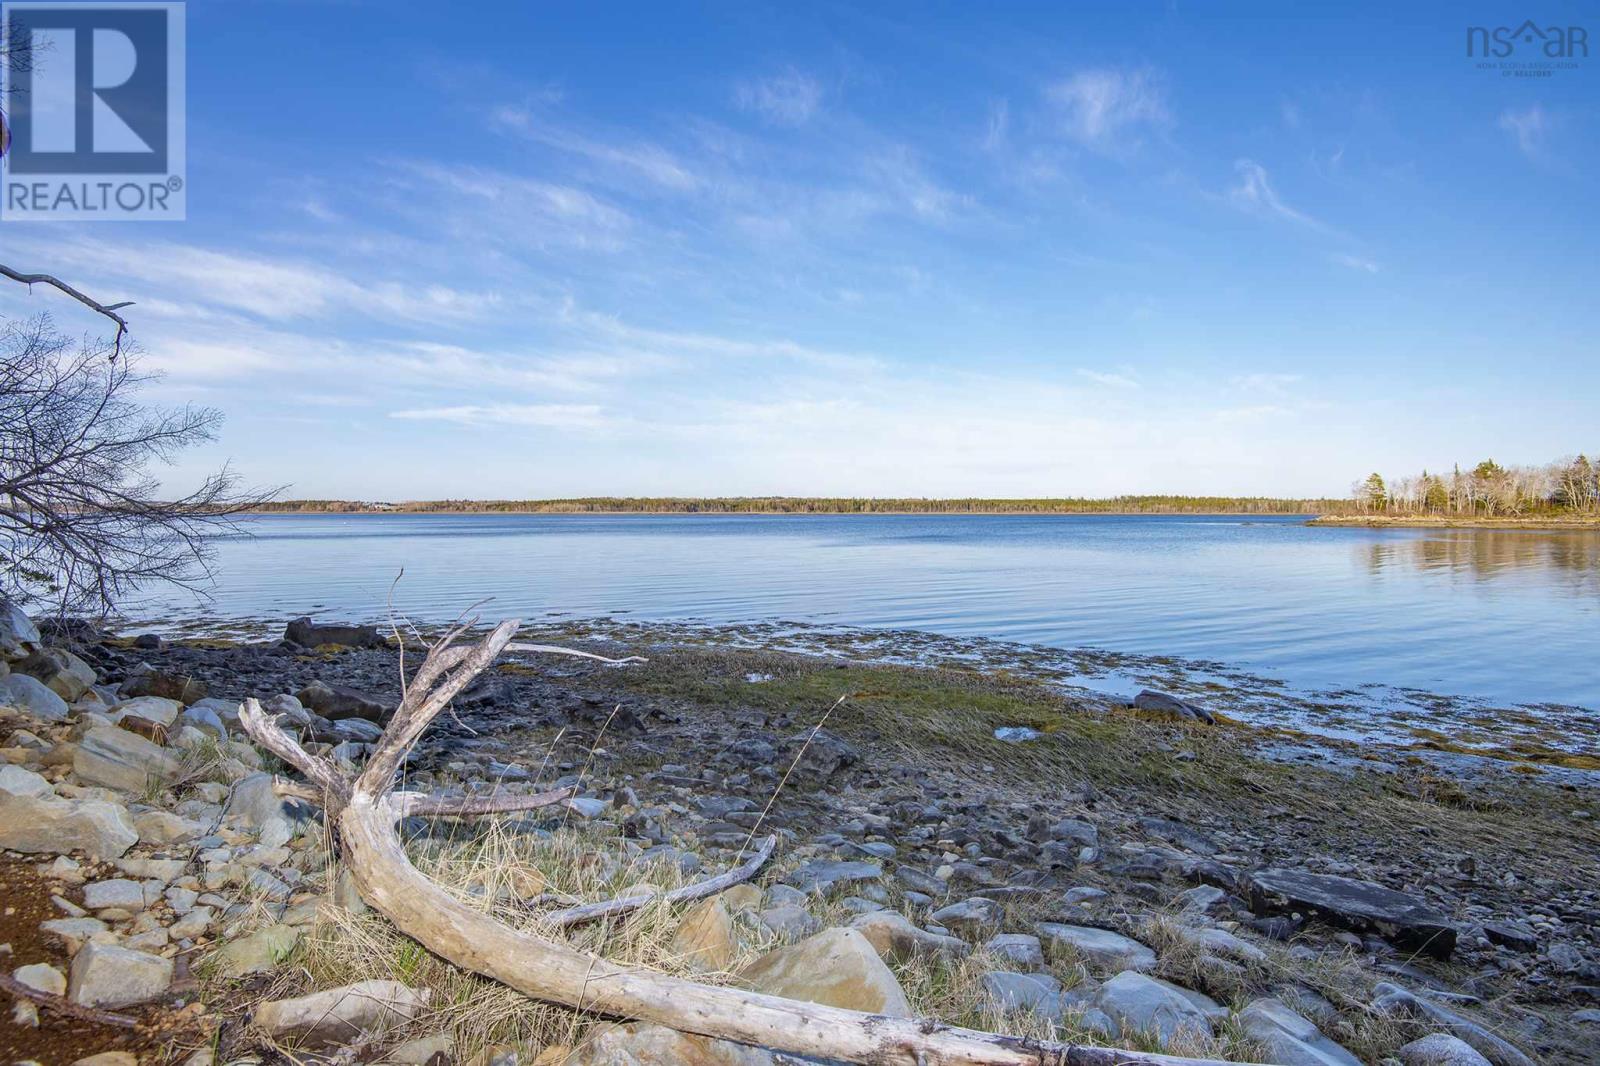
x=1130 y=876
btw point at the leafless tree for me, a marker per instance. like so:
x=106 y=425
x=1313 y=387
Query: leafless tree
x=82 y=518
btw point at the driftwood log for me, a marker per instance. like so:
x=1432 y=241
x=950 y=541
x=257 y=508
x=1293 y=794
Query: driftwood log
x=364 y=813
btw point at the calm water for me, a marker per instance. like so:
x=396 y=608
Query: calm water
x=1511 y=616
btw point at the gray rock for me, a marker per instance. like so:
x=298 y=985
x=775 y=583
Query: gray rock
x=423 y=1050
x=19 y=637
x=107 y=976
x=119 y=892
x=789 y=921
x=825 y=875
x=44 y=977
x=15 y=781
x=822 y=754
x=180 y=687
x=918 y=881
x=258 y=807
x=1391 y=997
x=1162 y=703
x=897 y=939
x=339 y=701
x=122 y=760
x=42 y=823
x=1076 y=831
x=1289 y=1038
x=157 y=709
x=1361 y=906
x=310 y=634
x=61 y=672
x=1027 y=993
x=1017 y=949
x=76 y=932
x=970 y=914
x=259 y=952
x=1441 y=1049
x=340 y=1015
x=32 y=696
x=1101 y=948
x=1143 y=1004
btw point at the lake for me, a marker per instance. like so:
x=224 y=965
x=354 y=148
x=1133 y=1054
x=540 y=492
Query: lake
x=1510 y=616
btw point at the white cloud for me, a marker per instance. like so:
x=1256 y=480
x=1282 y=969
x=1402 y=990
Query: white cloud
x=654 y=163
x=1254 y=192
x=549 y=415
x=1530 y=128
x=1109 y=380
x=1099 y=106
x=1355 y=262
x=787 y=99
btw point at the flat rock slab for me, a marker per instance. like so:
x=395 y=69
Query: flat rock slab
x=1359 y=905
x=822 y=875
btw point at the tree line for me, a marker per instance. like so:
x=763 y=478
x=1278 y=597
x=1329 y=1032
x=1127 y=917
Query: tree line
x=831 y=505
x=1566 y=486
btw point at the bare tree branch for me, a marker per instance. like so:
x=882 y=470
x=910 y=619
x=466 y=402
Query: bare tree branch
x=109 y=310
x=710 y=886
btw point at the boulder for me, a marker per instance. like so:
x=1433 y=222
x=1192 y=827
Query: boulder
x=122 y=760
x=110 y=1058
x=1362 y=906
x=1101 y=948
x=789 y=921
x=837 y=967
x=33 y=697
x=1440 y=1049
x=59 y=670
x=1289 y=1038
x=179 y=687
x=15 y=781
x=438 y=1047
x=1140 y=1004
x=42 y=823
x=107 y=976
x=340 y=1015
x=340 y=701
x=1162 y=703
x=1016 y=949
x=309 y=634
x=704 y=940
x=44 y=977
x=164 y=827
x=821 y=754
x=156 y=709
x=257 y=806
x=640 y=1044
x=1393 y=998
x=894 y=937
x=19 y=637
x=259 y=952
x=1023 y=993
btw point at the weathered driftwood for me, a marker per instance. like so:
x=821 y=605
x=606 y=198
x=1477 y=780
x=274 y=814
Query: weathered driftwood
x=365 y=811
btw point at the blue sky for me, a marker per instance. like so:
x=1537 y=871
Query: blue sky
x=523 y=250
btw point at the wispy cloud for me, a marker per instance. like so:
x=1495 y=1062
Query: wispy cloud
x=1355 y=262
x=548 y=415
x=1254 y=192
x=787 y=99
x=1529 y=127
x=638 y=158
x=1109 y=380
x=1101 y=108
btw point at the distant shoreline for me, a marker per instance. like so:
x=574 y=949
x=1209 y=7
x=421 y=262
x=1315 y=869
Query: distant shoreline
x=1447 y=522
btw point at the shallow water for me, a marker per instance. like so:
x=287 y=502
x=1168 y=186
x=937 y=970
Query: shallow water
x=1511 y=616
